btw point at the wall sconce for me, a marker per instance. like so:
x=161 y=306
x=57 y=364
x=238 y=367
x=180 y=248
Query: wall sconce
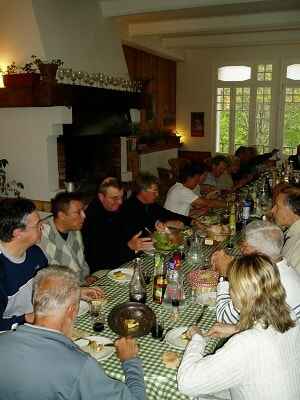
x=180 y=135
x=1 y=78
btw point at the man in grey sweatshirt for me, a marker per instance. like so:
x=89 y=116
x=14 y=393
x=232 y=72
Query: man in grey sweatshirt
x=39 y=361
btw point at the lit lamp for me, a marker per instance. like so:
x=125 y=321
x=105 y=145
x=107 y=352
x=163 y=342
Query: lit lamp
x=1 y=78
x=180 y=136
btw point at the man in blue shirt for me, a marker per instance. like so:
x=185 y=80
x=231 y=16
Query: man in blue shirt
x=20 y=259
x=39 y=361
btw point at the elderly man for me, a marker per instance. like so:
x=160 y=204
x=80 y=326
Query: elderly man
x=103 y=234
x=260 y=237
x=39 y=361
x=181 y=197
x=20 y=259
x=61 y=237
x=286 y=213
x=141 y=212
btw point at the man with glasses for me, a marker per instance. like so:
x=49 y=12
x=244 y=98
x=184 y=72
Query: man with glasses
x=61 y=237
x=103 y=232
x=20 y=258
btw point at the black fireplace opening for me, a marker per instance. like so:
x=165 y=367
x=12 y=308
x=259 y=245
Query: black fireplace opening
x=91 y=146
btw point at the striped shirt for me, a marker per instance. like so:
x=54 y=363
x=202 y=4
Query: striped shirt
x=290 y=279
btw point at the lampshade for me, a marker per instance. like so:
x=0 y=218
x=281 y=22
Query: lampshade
x=293 y=72
x=235 y=73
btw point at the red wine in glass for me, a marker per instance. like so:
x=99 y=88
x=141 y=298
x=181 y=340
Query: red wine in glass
x=98 y=326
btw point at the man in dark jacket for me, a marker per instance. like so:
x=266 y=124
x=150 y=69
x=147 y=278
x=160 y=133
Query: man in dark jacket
x=141 y=212
x=296 y=159
x=105 y=244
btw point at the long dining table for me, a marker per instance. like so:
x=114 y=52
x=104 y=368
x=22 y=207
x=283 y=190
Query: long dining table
x=160 y=381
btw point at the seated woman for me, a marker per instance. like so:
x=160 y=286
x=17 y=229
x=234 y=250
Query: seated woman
x=260 y=362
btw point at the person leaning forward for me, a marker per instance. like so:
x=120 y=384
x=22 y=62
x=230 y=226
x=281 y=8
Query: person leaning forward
x=39 y=361
x=105 y=243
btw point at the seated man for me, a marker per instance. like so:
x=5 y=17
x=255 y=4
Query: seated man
x=141 y=212
x=295 y=160
x=181 y=197
x=218 y=167
x=265 y=238
x=51 y=365
x=103 y=236
x=286 y=213
x=61 y=237
x=20 y=259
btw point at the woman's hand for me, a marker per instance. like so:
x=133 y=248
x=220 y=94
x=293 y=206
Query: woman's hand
x=220 y=262
x=220 y=330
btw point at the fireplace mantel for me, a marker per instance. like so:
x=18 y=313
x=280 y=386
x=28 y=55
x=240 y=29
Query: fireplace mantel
x=47 y=95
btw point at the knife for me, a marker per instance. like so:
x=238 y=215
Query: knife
x=204 y=308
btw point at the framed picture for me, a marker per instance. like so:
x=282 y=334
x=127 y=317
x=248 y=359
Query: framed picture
x=197 y=124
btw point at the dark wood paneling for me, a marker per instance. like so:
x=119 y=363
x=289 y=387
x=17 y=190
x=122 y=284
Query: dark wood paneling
x=161 y=74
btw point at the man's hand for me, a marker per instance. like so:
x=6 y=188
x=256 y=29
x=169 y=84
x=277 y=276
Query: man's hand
x=89 y=280
x=126 y=348
x=192 y=331
x=91 y=293
x=29 y=318
x=220 y=262
x=220 y=330
x=136 y=243
x=175 y=224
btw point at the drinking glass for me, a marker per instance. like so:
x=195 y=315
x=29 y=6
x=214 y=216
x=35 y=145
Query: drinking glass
x=97 y=315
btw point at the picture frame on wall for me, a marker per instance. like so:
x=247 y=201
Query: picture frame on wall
x=197 y=124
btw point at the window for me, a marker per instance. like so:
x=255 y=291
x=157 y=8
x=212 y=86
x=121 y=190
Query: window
x=243 y=112
x=291 y=126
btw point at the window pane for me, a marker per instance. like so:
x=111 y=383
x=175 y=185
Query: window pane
x=293 y=72
x=241 y=126
x=263 y=115
x=234 y=73
x=223 y=131
x=264 y=72
x=291 y=131
x=222 y=119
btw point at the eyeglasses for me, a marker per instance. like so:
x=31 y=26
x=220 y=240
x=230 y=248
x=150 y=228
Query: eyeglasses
x=39 y=223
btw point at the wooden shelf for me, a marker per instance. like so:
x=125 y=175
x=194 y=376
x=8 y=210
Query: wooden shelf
x=47 y=95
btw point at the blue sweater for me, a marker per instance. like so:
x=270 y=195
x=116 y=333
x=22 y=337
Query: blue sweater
x=16 y=286
x=37 y=364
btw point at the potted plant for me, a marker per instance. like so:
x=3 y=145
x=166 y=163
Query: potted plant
x=8 y=188
x=20 y=76
x=47 y=68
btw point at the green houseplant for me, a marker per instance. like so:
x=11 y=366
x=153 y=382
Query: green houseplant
x=21 y=76
x=8 y=188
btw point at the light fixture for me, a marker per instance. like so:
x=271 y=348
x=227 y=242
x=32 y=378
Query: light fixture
x=234 y=73
x=293 y=72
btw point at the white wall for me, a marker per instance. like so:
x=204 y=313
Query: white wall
x=196 y=83
x=19 y=32
x=28 y=142
x=76 y=32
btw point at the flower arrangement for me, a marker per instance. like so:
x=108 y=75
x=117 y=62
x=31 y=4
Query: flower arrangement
x=38 y=61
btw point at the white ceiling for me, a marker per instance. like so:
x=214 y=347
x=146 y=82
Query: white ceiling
x=191 y=21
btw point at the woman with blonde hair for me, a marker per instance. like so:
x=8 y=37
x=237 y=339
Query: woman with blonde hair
x=262 y=360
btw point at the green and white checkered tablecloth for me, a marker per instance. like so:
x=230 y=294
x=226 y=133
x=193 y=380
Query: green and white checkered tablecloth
x=160 y=381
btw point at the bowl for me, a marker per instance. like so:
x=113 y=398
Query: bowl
x=122 y=313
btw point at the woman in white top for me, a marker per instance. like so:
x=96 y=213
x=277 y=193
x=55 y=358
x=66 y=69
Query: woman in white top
x=260 y=362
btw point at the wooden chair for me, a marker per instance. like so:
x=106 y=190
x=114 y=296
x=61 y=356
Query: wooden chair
x=177 y=164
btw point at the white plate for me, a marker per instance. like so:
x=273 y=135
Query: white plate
x=83 y=308
x=150 y=252
x=173 y=338
x=98 y=355
x=128 y=275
